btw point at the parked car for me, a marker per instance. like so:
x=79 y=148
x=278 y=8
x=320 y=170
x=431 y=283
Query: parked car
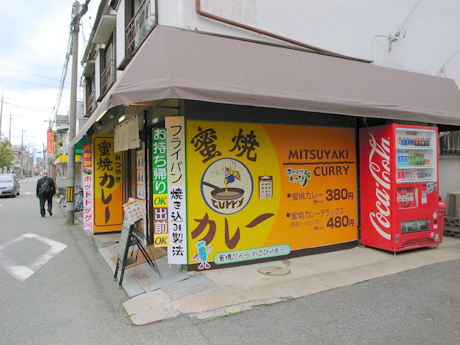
x=9 y=185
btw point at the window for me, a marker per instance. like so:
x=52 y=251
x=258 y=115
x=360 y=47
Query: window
x=90 y=91
x=449 y=143
x=140 y=20
x=107 y=66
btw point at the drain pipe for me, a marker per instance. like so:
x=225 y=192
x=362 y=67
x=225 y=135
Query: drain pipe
x=263 y=32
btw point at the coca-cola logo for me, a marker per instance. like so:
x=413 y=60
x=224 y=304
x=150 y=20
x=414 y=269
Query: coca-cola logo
x=379 y=167
x=405 y=198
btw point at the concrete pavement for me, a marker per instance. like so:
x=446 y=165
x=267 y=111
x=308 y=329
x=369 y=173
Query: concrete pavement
x=219 y=292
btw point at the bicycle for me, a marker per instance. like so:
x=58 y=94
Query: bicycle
x=78 y=201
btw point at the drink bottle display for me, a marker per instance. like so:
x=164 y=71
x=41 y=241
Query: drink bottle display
x=413 y=154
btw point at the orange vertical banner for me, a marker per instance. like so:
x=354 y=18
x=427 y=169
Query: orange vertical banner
x=108 y=184
x=49 y=141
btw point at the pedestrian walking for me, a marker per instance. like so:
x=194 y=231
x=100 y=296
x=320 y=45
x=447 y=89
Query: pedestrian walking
x=45 y=191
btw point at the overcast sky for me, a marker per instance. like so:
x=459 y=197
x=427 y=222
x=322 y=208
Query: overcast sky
x=34 y=37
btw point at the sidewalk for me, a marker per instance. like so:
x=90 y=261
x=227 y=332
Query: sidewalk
x=214 y=293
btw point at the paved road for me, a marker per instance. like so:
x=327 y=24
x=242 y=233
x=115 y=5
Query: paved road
x=416 y=307
x=56 y=289
x=68 y=295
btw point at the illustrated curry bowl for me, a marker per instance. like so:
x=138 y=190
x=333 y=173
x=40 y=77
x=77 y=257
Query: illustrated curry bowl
x=225 y=193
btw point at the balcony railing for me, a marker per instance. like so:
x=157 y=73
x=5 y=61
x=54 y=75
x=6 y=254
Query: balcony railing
x=108 y=77
x=90 y=103
x=139 y=27
x=449 y=143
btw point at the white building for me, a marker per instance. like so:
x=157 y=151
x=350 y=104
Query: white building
x=314 y=63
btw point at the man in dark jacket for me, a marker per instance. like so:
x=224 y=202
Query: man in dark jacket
x=45 y=191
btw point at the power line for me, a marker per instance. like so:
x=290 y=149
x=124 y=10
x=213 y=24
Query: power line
x=27 y=82
x=401 y=33
x=410 y=14
x=18 y=106
x=63 y=76
x=74 y=23
x=38 y=75
x=442 y=70
x=27 y=47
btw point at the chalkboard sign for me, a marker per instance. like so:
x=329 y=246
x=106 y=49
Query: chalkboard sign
x=123 y=248
x=127 y=239
x=124 y=239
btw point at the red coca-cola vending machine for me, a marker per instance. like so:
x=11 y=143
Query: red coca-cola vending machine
x=399 y=187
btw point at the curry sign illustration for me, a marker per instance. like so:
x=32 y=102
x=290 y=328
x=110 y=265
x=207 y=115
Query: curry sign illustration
x=234 y=192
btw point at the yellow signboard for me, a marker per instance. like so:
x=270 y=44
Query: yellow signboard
x=257 y=191
x=108 y=185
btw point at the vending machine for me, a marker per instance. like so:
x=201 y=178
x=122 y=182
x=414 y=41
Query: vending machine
x=399 y=187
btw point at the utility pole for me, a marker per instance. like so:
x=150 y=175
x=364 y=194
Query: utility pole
x=9 y=138
x=75 y=27
x=70 y=207
x=44 y=159
x=1 y=115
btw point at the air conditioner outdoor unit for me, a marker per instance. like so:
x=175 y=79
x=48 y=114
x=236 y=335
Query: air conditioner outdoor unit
x=453 y=204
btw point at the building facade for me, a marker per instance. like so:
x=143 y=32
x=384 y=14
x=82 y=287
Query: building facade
x=236 y=122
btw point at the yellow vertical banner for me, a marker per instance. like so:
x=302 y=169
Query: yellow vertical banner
x=108 y=184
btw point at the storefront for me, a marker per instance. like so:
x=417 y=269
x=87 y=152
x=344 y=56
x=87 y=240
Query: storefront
x=261 y=190
x=260 y=158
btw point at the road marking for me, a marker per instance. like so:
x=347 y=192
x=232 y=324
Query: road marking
x=21 y=272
